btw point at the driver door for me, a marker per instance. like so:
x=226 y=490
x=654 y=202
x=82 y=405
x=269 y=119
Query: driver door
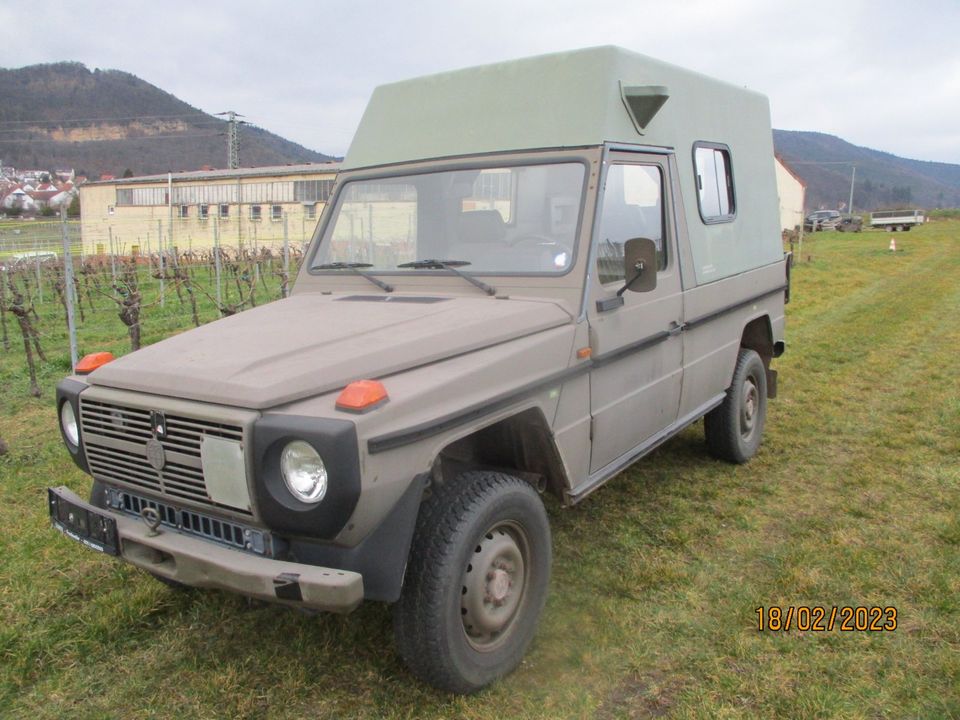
x=636 y=341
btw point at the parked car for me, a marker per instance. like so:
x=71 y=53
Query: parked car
x=850 y=223
x=34 y=256
x=821 y=220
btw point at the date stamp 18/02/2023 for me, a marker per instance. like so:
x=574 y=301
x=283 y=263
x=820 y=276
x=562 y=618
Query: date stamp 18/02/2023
x=816 y=618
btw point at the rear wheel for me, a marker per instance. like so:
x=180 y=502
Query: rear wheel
x=476 y=582
x=734 y=429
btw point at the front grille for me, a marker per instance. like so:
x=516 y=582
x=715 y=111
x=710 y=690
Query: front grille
x=193 y=523
x=115 y=440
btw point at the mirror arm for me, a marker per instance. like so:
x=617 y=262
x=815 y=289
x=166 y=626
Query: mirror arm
x=639 y=268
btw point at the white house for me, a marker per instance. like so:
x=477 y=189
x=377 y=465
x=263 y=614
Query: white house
x=792 y=191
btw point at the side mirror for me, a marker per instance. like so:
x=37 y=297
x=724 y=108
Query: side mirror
x=639 y=265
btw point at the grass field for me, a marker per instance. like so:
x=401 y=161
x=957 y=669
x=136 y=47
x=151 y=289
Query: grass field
x=854 y=500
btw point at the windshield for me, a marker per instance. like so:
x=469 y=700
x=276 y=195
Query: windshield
x=516 y=219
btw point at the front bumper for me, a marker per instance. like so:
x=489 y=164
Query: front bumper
x=199 y=563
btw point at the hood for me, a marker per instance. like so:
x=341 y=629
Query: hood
x=309 y=344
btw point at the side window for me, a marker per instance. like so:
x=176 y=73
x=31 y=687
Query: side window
x=632 y=207
x=714 y=182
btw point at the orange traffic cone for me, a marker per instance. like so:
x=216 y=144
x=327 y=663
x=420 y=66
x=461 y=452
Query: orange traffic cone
x=893 y=245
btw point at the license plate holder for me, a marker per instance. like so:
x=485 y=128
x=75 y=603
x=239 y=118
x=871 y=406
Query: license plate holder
x=82 y=522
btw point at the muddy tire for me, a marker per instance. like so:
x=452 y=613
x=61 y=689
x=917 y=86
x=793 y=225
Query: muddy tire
x=734 y=429
x=476 y=581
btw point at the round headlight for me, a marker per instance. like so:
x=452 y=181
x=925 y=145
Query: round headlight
x=68 y=421
x=304 y=473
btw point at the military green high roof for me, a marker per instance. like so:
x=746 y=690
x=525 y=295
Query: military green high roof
x=569 y=99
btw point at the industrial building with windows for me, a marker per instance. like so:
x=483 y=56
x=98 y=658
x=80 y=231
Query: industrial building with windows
x=246 y=208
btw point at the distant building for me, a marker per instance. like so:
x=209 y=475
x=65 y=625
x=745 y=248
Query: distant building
x=192 y=210
x=792 y=192
x=19 y=199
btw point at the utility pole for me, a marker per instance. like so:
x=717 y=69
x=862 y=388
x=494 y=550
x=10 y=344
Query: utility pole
x=233 y=138
x=853 y=177
x=69 y=289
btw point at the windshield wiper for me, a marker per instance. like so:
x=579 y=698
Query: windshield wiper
x=452 y=266
x=355 y=268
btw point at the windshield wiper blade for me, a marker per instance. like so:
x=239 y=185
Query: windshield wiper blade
x=355 y=268
x=452 y=266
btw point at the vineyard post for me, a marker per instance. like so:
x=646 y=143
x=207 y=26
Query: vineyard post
x=36 y=257
x=216 y=257
x=286 y=257
x=68 y=273
x=3 y=307
x=256 y=262
x=113 y=259
x=160 y=245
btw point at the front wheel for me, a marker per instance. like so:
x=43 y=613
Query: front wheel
x=476 y=582
x=734 y=428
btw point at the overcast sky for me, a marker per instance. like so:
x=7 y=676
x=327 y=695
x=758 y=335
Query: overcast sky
x=884 y=74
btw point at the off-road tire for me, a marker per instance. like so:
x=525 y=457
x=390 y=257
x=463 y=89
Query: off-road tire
x=734 y=429
x=477 y=514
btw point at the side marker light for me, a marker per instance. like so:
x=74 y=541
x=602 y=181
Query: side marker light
x=91 y=362
x=362 y=395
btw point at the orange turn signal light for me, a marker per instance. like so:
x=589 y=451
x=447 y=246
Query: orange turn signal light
x=584 y=353
x=362 y=395
x=91 y=362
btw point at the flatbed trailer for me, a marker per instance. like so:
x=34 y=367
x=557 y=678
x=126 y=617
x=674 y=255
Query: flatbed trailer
x=896 y=220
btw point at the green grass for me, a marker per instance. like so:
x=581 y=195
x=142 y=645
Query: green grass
x=853 y=500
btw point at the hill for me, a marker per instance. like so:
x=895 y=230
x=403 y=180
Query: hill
x=883 y=180
x=107 y=121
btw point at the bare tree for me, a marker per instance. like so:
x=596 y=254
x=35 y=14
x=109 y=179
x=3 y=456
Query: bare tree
x=126 y=294
x=22 y=312
x=179 y=275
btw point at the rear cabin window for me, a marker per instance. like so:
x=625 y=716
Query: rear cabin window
x=632 y=208
x=714 y=182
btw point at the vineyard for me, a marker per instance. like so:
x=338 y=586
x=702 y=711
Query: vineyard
x=123 y=301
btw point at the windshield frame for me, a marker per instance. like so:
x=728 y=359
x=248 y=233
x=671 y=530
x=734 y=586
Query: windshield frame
x=513 y=159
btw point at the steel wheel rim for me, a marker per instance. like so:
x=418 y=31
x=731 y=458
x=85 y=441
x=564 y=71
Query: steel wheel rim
x=749 y=407
x=493 y=585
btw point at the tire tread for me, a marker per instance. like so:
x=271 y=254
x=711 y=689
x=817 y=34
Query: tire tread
x=440 y=524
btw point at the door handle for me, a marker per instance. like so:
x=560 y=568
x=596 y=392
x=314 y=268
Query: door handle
x=675 y=328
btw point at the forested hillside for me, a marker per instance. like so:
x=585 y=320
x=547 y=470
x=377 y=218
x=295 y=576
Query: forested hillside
x=883 y=180
x=108 y=121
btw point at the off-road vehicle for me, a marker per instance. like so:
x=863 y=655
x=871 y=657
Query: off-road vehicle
x=529 y=275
